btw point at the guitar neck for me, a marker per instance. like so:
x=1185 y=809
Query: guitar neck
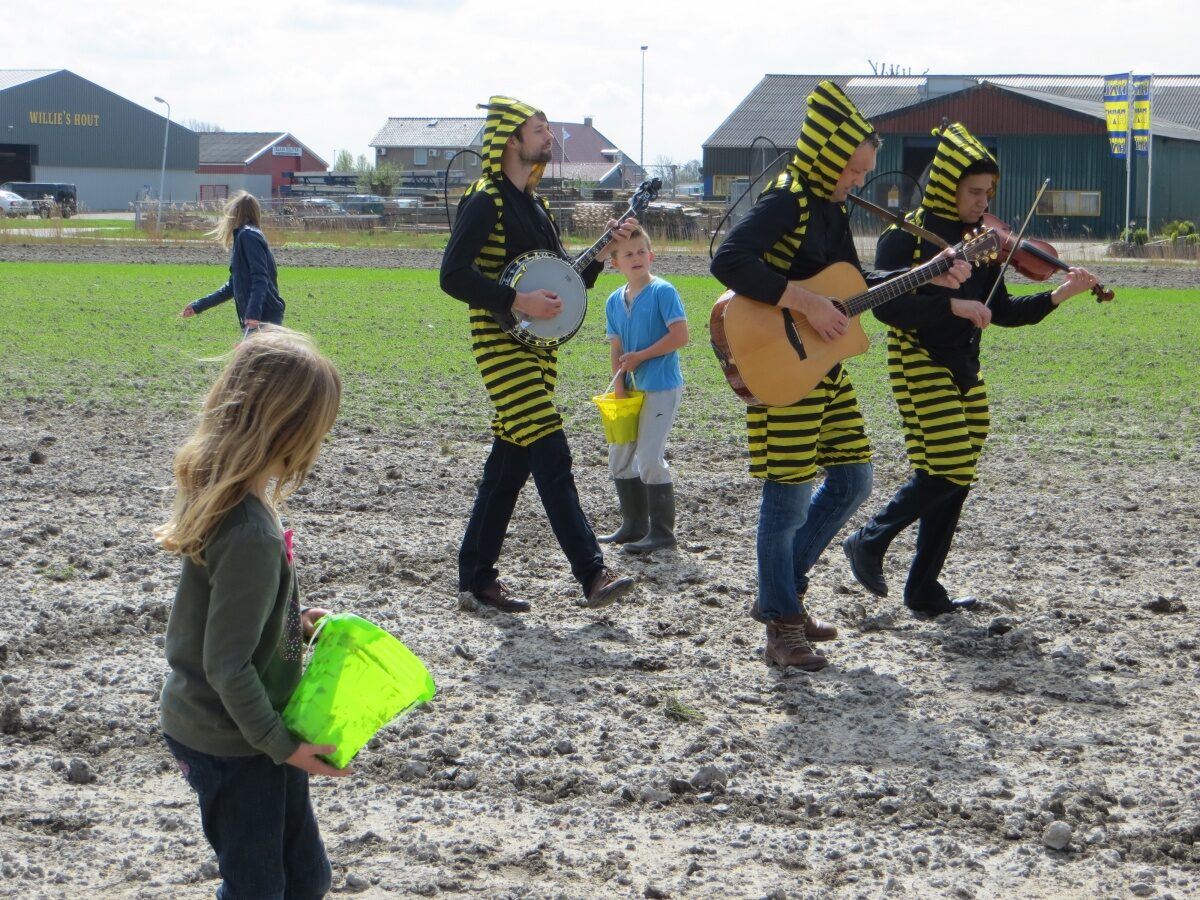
x=900 y=285
x=586 y=258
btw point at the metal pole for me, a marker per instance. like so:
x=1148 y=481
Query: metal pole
x=642 y=145
x=1128 y=153
x=162 y=178
x=1149 y=154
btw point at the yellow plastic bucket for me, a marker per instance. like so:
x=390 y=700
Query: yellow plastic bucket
x=619 y=416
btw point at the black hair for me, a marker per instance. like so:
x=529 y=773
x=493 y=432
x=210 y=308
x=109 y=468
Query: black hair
x=981 y=167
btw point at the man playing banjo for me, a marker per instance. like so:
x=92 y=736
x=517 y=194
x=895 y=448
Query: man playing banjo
x=499 y=218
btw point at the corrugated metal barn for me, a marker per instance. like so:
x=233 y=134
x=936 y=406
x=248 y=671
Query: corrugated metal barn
x=58 y=127
x=1038 y=126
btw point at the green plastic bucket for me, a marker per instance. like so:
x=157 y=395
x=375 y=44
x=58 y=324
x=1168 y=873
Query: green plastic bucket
x=358 y=680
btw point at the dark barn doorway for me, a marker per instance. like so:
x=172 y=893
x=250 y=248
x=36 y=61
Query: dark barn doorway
x=16 y=162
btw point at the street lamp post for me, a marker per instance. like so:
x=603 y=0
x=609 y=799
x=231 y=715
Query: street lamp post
x=642 y=145
x=162 y=178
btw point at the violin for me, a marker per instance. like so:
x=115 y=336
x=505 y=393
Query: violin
x=1036 y=260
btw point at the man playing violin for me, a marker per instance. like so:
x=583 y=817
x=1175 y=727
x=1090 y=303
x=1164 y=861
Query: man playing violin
x=933 y=361
x=499 y=218
x=799 y=227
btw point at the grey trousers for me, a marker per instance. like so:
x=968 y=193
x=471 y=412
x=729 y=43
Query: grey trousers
x=645 y=458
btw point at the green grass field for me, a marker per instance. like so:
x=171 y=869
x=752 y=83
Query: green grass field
x=1118 y=378
x=110 y=227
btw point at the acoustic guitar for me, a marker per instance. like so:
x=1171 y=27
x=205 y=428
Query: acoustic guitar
x=771 y=356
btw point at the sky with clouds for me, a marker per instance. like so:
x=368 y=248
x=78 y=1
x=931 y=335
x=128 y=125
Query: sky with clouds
x=332 y=72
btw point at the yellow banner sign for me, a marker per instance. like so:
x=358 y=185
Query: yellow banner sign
x=1116 y=111
x=1142 y=88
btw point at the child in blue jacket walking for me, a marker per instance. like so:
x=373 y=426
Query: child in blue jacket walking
x=646 y=326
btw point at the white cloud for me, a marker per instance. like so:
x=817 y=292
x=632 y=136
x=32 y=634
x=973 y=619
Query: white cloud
x=333 y=72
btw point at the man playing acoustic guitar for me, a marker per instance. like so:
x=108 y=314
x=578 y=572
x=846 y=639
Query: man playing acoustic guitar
x=499 y=218
x=798 y=227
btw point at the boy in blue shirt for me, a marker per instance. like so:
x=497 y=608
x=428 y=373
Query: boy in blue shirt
x=646 y=326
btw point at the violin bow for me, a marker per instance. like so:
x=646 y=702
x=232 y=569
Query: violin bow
x=1017 y=243
x=900 y=222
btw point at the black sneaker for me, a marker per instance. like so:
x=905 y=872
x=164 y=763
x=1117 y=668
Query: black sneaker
x=867 y=567
x=942 y=607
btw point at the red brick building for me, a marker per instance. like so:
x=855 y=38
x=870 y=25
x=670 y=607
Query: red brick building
x=242 y=154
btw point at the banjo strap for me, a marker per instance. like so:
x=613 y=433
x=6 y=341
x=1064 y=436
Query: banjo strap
x=539 y=223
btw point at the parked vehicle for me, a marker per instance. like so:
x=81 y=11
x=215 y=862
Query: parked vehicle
x=364 y=204
x=45 y=195
x=315 y=206
x=15 y=206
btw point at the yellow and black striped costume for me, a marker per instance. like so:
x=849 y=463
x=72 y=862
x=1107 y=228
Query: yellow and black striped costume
x=945 y=427
x=945 y=421
x=519 y=380
x=789 y=443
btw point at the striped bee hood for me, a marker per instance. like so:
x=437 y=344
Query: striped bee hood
x=504 y=116
x=832 y=130
x=956 y=150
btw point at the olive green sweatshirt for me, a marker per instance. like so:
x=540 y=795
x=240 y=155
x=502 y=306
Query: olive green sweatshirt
x=234 y=641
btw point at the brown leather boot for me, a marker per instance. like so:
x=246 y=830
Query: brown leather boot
x=815 y=629
x=499 y=596
x=788 y=646
x=606 y=587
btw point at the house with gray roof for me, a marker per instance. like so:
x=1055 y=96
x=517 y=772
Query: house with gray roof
x=428 y=147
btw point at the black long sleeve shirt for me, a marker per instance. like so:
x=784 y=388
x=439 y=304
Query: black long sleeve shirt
x=739 y=263
x=527 y=226
x=950 y=340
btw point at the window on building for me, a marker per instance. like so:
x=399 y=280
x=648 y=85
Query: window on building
x=721 y=185
x=1069 y=203
x=420 y=156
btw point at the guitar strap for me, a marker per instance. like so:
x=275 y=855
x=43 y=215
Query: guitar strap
x=900 y=222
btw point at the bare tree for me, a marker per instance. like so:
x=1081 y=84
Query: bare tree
x=689 y=171
x=664 y=167
x=198 y=125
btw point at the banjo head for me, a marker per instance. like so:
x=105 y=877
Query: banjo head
x=547 y=271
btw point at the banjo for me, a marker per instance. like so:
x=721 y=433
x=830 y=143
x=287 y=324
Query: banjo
x=547 y=270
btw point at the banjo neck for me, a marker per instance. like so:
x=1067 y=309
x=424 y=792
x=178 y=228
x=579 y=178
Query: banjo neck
x=585 y=259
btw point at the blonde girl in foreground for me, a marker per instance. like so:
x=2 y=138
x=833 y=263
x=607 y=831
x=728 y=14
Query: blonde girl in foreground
x=236 y=633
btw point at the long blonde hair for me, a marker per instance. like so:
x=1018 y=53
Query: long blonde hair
x=241 y=209
x=269 y=409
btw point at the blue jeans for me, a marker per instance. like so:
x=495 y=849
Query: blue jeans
x=258 y=818
x=508 y=467
x=794 y=528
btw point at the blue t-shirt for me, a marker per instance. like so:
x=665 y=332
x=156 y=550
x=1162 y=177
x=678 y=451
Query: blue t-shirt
x=657 y=306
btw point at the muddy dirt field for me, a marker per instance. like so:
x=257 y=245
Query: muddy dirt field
x=1043 y=745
